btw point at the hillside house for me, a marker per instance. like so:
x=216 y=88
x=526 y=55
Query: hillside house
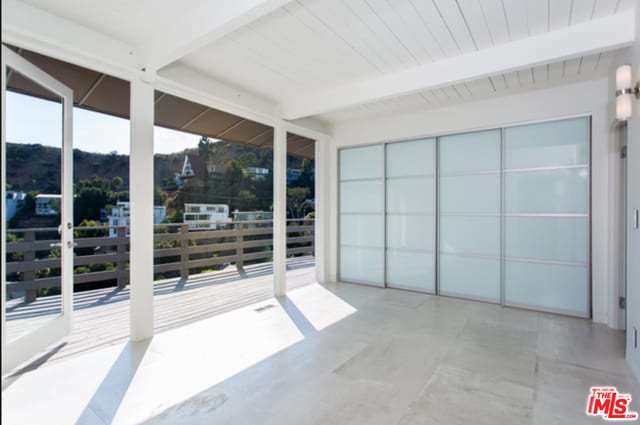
x=47 y=204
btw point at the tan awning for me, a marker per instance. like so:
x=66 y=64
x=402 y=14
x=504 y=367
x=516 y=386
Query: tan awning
x=109 y=95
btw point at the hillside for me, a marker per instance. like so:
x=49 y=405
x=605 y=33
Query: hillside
x=34 y=167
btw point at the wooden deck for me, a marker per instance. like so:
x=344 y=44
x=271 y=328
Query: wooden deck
x=101 y=317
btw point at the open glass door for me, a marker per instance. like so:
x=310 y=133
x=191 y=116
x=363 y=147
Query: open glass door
x=37 y=219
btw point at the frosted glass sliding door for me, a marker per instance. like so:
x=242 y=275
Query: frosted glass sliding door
x=546 y=189
x=469 y=215
x=410 y=215
x=361 y=200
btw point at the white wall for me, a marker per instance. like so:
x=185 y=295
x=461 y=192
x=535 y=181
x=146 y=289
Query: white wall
x=633 y=200
x=589 y=97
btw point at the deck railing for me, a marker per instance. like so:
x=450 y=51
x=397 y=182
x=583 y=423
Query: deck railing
x=33 y=262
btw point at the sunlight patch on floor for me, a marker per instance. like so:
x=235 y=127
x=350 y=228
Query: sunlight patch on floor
x=130 y=382
x=320 y=307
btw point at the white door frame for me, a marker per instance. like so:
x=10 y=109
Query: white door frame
x=25 y=347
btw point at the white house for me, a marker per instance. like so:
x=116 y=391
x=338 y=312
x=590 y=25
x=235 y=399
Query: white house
x=121 y=216
x=205 y=216
x=477 y=201
x=293 y=174
x=14 y=201
x=257 y=173
x=47 y=204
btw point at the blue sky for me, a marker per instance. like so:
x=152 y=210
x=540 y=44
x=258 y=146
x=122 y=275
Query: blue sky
x=32 y=120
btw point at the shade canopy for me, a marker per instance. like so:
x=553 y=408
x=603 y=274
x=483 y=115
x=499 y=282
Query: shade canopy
x=109 y=95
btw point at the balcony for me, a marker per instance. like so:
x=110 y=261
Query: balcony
x=198 y=274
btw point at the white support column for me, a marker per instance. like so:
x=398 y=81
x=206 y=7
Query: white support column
x=141 y=196
x=321 y=201
x=279 y=211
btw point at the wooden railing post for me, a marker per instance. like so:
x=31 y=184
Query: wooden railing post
x=184 y=253
x=121 y=265
x=30 y=295
x=313 y=241
x=239 y=245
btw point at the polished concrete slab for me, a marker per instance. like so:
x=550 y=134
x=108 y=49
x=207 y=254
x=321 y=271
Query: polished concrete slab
x=338 y=354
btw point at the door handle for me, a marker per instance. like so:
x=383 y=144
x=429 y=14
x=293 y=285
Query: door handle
x=56 y=244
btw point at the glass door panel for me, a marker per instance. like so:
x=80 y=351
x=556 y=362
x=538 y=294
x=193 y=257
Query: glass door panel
x=361 y=211
x=469 y=215
x=37 y=232
x=547 y=216
x=410 y=218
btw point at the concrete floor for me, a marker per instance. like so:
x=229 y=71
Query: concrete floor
x=338 y=354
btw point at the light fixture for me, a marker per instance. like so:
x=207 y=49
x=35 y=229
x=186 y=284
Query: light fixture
x=624 y=92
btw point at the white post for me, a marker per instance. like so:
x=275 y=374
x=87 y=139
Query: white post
x=3 y=223
x=279 y=211
x=141 y=196
x=320 y=238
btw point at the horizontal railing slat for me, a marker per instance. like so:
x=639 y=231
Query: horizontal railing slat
x=299 y=239
x=235 y=237
x=300 y=250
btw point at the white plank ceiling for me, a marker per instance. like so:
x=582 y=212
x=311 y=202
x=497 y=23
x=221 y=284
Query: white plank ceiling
x=312 y=44
x=299 y=47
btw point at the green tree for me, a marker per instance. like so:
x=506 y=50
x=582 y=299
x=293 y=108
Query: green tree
x=117 y=182
x=297 y=204
x=247 y=159
x=91 y=196
x=247 y=200
x=159 y=196
x=89 y=201
x=307 y=176
x=205 y=149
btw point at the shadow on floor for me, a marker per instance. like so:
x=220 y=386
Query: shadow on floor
x=109 y=395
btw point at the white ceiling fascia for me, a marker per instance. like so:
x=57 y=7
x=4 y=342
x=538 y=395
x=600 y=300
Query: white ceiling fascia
x=202 y=23
x=54 y=36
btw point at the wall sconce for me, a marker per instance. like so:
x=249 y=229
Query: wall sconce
x=624 y=92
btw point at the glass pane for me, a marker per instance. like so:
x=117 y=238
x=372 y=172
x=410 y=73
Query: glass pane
x=411 y=195
x=548 y=191
x=470 y=277
x=479 y=151
x=362 y=230
x=411 y=270
x=33 y=180
x=410 y=158
x=363 y=265
x=547 y=144
x=362 y=163
x=470 y=194
x=548 y=286
x=547 y=238
x=470 y=235
x=362 y=196
x=411 y=232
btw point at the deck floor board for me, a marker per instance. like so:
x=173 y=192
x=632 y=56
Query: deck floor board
x=101 y=316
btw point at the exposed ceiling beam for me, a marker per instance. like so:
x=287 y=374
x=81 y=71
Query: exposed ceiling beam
x=51 y=35
x=203 y=22
x=599 y=35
